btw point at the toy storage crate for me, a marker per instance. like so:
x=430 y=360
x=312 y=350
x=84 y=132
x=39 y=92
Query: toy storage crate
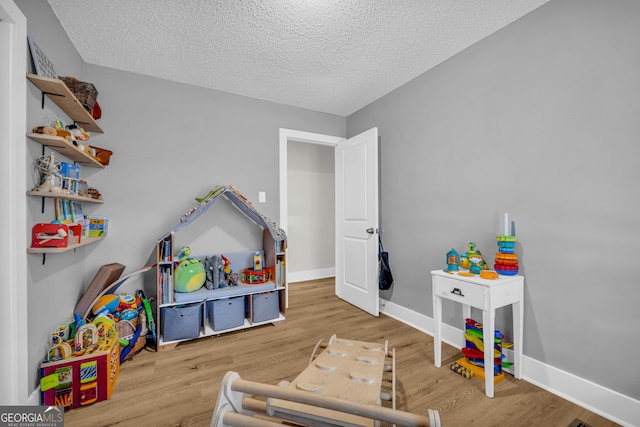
x=265 y=306
x=181 y=322
x=226 y=313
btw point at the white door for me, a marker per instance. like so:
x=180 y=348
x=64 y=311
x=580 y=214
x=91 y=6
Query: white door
x=356 y=175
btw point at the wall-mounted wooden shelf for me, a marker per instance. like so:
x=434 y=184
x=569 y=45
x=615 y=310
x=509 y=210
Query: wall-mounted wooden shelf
x=66 y=148
x=85 y=241
x=60 y=94
x=64 y=196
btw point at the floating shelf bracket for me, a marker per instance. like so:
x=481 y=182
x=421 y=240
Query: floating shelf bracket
x=50 y=94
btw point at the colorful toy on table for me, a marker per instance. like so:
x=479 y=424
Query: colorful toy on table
x=506 y=259
x=464 y=261
x=189 y=274
x=453 y=260
x=476 y=260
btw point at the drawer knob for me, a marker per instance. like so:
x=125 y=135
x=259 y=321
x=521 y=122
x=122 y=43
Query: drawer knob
x=457 y=291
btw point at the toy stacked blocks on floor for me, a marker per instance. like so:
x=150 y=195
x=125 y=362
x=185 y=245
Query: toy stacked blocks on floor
x=81 y=380
x=473 y=362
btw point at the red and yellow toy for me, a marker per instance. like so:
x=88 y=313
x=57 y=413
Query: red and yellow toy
x=79 y=380
x=253 y=277
x=47 y=235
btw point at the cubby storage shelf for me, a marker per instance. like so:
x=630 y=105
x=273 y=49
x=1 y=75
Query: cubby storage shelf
x=85 y=241
x=256 y=310
x=64 y=196
x=66 y=148
x=60 y=94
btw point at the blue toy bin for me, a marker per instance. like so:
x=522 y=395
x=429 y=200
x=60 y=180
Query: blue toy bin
x=181 y=322
x=265 y=306
x=226 y=313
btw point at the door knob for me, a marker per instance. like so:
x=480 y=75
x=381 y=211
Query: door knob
x=370 y=230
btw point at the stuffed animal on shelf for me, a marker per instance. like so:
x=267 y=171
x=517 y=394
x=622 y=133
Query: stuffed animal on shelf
x=78 y=133
x=190 y=274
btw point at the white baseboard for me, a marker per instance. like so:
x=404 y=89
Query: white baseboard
x=605 y=402
x=301 y=276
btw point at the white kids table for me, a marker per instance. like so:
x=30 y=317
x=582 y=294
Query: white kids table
x=486 y=295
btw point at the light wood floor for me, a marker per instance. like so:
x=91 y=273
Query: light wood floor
x=179 y=387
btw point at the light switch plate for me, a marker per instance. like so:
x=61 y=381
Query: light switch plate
x=262 y=197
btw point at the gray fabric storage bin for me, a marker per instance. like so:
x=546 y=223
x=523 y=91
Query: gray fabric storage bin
x=226 y=313
x=266 y=306
x=181 y=321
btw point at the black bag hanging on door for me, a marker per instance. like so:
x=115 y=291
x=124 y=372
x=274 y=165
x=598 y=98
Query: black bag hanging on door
x=386 y=278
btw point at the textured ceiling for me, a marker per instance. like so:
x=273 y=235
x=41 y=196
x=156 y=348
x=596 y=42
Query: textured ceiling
x=332 y=56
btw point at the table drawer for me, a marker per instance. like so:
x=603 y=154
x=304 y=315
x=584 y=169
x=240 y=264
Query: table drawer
x=459 y=291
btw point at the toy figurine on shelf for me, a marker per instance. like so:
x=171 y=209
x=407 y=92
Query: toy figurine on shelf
x=453 y=260
x=49 y=169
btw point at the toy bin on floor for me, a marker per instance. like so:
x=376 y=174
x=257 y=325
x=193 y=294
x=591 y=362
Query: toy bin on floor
x=181 y=322
x=265 y=306
x=82 y=380
x=226 y=313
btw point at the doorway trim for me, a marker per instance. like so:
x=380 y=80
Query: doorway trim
x=14 y=389
x=287 y=135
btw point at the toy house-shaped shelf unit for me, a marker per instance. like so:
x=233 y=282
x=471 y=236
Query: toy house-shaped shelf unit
x=221 y=307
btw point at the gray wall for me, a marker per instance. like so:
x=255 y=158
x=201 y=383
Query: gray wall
x=311 y=207
x=171 y=143
x=539 y=120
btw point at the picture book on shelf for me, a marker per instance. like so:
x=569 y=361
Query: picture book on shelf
x=68 y=210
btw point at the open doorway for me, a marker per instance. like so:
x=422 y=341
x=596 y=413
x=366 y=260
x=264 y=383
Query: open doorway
x=307 y=203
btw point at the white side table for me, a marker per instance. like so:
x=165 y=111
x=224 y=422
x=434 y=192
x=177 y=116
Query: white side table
x=486 y=295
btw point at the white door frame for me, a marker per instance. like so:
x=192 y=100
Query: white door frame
x=287 y=135
x=14 y=387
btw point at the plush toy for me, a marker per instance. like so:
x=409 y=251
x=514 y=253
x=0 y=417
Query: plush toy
x=210 y=271
x=190 y=274
x=215 y=268
x=78 y=133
